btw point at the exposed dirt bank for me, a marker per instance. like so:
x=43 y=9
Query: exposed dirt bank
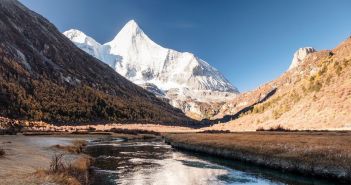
x=326 y=155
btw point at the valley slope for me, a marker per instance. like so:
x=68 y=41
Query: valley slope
x=314 y=94
x=44 y=76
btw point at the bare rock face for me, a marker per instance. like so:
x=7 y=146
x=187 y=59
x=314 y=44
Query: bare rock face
x=300 y=55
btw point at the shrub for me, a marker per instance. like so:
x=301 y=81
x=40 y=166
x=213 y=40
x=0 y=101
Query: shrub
x=260 y=129
x=76 y=148
x=2 y=152
x=11 y=129
x=133 y=132
x=278 y=128
x=77 y=170
x=91 y=129
x=56 y=164
x=215 y=131
x=314 y=84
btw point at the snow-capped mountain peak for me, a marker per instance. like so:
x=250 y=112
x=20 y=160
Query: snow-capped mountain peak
x=139 y=53
x=77 y=36
x=130 y=30
x=135 y=56
x=85 y=43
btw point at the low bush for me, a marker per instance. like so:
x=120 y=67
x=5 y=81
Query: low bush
x=56 y=163
x=91 y=129
x=133 y=132
x=278 y=128
x=215 y=131
x=12 y=129
x=2 y=152
x=74 y=173
x=76 y=148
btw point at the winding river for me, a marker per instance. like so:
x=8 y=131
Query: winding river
x=119 y=161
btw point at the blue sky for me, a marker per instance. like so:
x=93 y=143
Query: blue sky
x=250 y=41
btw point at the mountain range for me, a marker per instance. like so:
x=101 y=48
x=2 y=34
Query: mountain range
x=181 y=78
x=44 y=76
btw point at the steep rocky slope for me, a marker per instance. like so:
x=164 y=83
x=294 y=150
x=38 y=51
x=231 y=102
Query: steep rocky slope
x=316 y=94
x=44 y=76
x=186 y=81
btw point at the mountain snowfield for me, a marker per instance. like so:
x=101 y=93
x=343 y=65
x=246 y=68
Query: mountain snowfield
x=181 y=77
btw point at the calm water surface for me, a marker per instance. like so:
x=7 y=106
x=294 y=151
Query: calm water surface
x=154 y=162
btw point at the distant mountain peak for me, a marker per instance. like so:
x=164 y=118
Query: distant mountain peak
x=132 y=25
x=131 y=29
x=130 y=36
x=141 y=60
x=79 y=37
x=180 y=76
x=300 y=55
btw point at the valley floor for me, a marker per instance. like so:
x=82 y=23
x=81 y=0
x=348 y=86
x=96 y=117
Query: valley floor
x=321 y=154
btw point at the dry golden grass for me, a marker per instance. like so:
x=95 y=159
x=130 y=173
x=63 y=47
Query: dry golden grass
x=74 y=173
x=43 y=176
x=309 y=148
x=313 y=96
x=76 y=147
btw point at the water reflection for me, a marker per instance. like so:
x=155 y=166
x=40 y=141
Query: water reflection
x=133 y=163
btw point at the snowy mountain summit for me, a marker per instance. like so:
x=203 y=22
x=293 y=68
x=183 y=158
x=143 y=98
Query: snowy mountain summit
x=135 y=56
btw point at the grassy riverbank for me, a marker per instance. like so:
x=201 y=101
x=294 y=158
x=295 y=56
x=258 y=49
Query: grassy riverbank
x=53 y=157
x=324 y=154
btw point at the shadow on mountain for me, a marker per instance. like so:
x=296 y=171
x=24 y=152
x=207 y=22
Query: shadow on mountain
x=228 y=118
x=45 y=77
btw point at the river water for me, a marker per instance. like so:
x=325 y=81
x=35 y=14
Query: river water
x=118 y=161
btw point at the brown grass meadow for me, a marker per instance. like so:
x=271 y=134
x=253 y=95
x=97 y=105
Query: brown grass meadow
x=317 y=153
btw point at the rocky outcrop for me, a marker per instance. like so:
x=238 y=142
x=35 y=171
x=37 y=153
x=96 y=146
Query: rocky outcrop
x=300 y=55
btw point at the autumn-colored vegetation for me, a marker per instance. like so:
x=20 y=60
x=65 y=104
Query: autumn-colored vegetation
x=76 y=147
x=310 y=150
x=73 y=173
x=44 y=76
